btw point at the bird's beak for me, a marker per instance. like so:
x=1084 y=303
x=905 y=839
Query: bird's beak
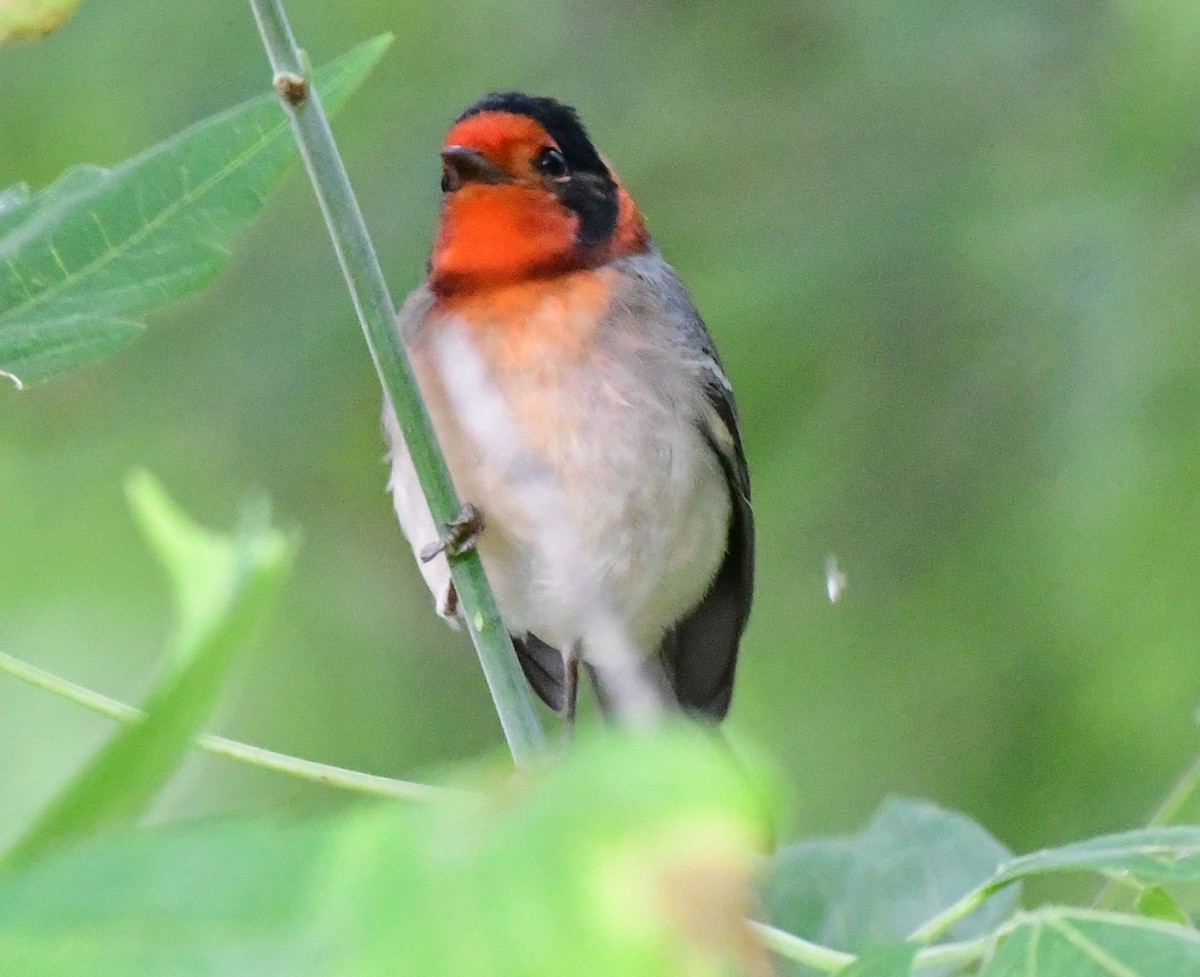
x=461 y=165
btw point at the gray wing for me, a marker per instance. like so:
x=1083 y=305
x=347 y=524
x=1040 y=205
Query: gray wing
x=544 y=669
x=700 y=652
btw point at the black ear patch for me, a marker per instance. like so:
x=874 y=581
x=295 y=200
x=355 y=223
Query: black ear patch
x=590 y=190
x=594 y=199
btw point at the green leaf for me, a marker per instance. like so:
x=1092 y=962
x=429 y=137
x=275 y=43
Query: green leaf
x=214 y=899
x=1157 y=903
x=205 y=567
x=98 y=247
x=632 y=857
x=895 y=960
x=11 y=201
x=1059 y=942
x=875 y=888
x=27 y=20
x=223 y=587
x=51 y=347
x=50 y=201
x=1169 y=854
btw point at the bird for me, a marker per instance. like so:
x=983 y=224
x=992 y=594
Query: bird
x=586 y=421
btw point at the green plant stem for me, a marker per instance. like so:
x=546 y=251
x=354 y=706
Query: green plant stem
x=377 y=314
x=823 y=958
x=953 y=955
x=1178 y=797
x=931 y=930
x=801 y=950
x=321 y=773
x=1184 y=790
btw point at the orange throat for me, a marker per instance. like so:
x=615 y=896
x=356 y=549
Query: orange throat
x=502 y=235
x=532 y=323
x=499 y=235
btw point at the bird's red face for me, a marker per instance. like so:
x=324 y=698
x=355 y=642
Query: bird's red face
x=525 y=197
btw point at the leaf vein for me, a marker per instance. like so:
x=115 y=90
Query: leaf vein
x=1089 y=949
x=153 y=224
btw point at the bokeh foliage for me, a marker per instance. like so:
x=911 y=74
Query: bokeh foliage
x=948 y=252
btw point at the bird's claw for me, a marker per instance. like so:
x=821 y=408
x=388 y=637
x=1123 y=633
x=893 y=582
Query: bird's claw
x=461 y=535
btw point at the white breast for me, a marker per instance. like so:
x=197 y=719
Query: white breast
x=617 y=521
x=621 y=519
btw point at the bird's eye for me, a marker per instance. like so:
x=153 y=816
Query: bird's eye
x=551 y=163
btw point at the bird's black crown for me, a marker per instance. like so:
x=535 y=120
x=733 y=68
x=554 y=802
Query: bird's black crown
x=559 y=120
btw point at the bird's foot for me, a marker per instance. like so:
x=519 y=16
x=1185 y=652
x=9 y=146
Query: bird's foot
x=461 y=535
x=447 y=603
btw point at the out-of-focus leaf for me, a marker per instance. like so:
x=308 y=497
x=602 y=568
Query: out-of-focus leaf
x=1157 y=903
x=1058 y=942
x=50 y=347
x=26 y=20
x=1169 y=854
x=81 y=258
x=885 y=961
x=223 y=587
x=21 y=206
x=183 y=900
x=11 y=201
x=875 y=888
x=632 y=857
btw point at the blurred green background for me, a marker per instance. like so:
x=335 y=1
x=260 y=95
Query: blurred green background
x=949 y=252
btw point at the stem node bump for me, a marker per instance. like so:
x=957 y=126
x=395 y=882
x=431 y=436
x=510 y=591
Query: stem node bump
x=291 y=87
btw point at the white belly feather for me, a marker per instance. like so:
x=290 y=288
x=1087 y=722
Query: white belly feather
x=616 y=522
